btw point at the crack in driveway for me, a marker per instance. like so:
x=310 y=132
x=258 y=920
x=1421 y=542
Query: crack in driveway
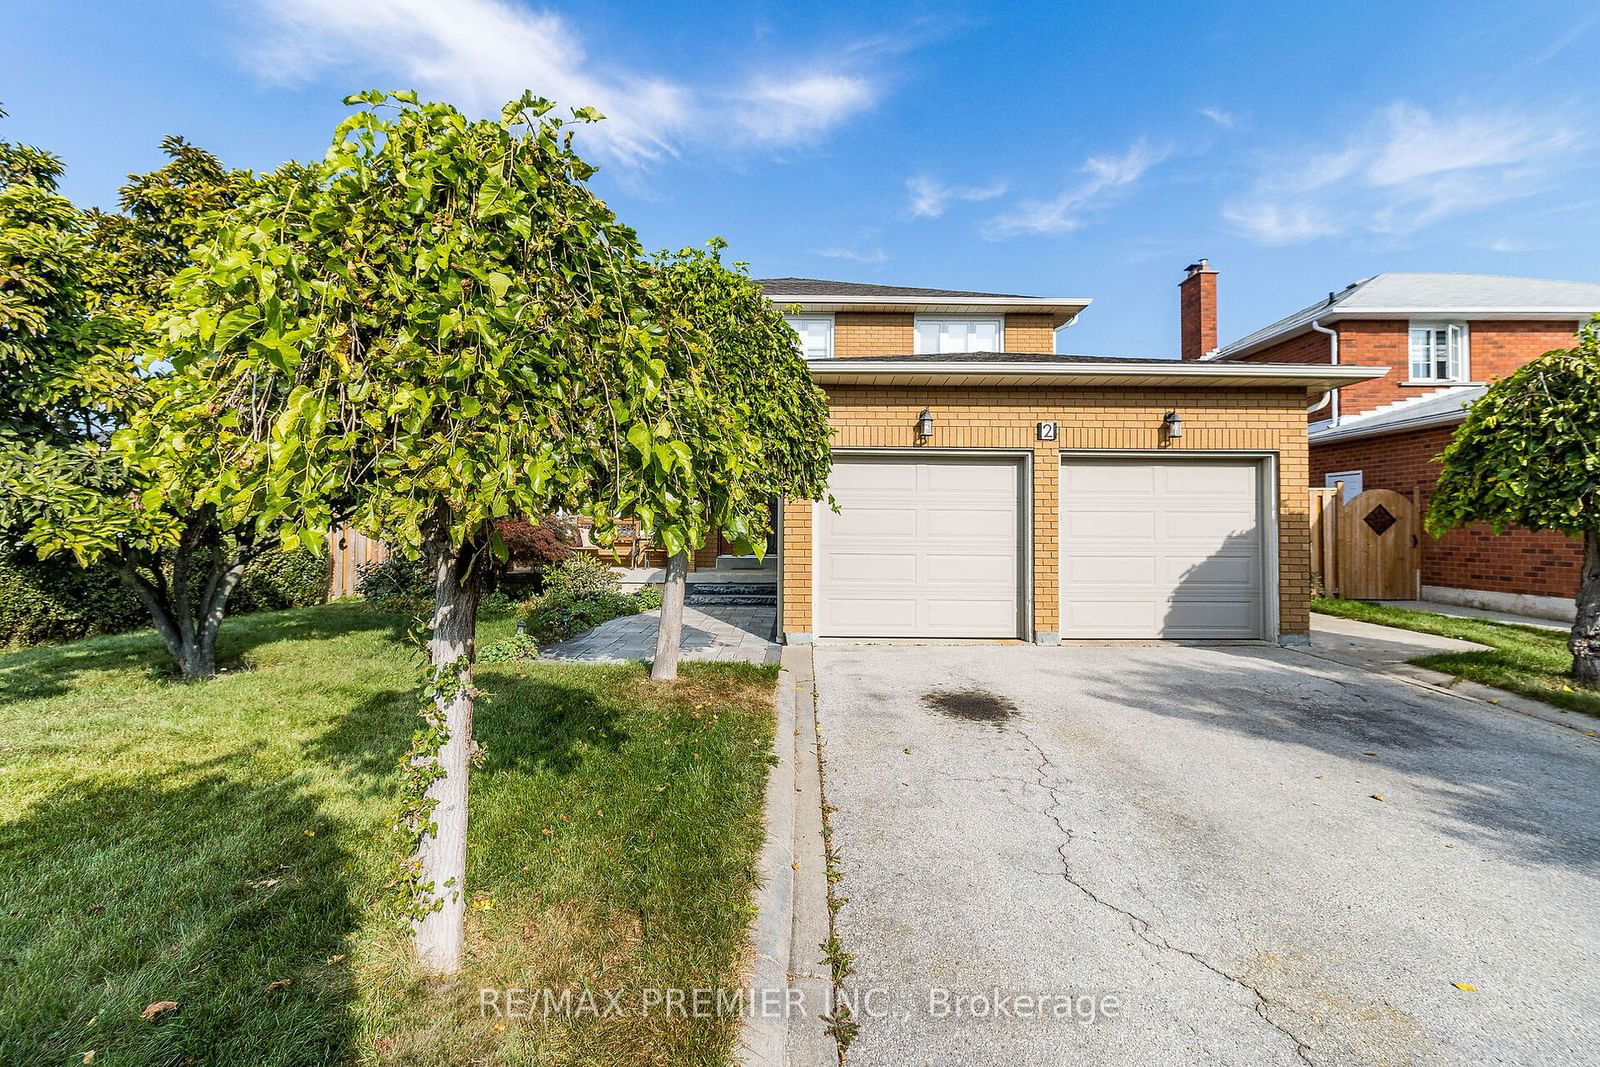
x=1142 y=927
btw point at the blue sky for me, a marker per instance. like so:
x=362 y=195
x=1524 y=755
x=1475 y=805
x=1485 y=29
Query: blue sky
x=1062 y=150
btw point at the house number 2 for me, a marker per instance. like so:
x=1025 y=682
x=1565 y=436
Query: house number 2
x=1047 y=431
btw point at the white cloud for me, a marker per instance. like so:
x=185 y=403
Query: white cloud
x=1406 y=169
x=931 y=198
x=481 y=53
x=1103 y=177
x=854 y=255
x=793 y=112
x=1226 y=119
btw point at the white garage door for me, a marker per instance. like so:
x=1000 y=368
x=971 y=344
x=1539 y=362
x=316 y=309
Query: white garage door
x=919 y=548
x=1161 y=549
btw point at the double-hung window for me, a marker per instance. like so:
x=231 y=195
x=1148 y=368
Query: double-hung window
x=958 y=334
x=816 y=334
x=1438 y=351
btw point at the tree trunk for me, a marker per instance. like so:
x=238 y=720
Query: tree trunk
x=442 y=855
x=669 y=635
x=1585 y=640
x=189 y=634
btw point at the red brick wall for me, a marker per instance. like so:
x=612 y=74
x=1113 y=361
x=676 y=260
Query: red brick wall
x=1474 y=557
x=1495 y=350
x=1197 y=314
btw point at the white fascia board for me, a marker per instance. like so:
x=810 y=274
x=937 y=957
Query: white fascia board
x=1296 y=373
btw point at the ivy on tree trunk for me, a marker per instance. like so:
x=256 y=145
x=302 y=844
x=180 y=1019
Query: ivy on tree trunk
x=1584 y=643
x=441 y=857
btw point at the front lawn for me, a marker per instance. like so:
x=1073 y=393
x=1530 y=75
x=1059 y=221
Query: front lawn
x=225 y=845
x=1522 y=659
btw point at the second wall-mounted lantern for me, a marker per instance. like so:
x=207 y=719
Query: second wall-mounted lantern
x=1172 y=426
x=925 y=424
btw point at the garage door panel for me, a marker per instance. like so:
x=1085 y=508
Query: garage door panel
x=873 y=522
x=983 y=479
x=990 y=570
x=967 y=524
x=1090 y=570
x=1087 y=478
x=1109 y=525
x=1212 y=618
x=842 y=566
x=880 y=477
x=920 y=548
x=1236 y=571
x=1161 y=548
x=1204 y=525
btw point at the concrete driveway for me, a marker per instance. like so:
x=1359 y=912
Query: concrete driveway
x=1181 y=849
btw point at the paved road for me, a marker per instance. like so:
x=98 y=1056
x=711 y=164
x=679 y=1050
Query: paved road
x=1183 y=844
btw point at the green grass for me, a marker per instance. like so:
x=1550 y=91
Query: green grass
x=200 y=843
x=1521 y=659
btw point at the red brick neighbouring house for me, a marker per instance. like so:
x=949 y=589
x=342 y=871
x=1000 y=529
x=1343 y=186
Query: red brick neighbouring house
x=1444 y=337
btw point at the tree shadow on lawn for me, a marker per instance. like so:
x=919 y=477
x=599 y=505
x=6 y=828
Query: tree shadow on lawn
x=199 y=886
x=52 y=670
x=1517 y=788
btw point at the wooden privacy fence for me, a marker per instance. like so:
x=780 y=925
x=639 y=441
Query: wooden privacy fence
x=1368 y=547
x=347 y=552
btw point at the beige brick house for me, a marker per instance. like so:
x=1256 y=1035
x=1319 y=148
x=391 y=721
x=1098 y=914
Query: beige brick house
x=989 y=487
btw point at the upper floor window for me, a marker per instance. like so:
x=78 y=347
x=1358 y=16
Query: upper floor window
x=963 y=334
x=1438 y=351
x=816 y=334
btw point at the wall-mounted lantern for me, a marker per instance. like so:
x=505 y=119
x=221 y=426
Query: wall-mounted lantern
x=1172 y=426
x=925 y=424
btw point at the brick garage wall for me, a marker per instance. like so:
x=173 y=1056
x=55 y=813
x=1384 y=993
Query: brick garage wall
x=1473 y=557
x=873 y=333
x=1030 y=333
x=1089 y=418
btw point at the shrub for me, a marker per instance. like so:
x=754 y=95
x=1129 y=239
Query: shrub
x=583 y=576
x=56 y=600
x=277 y=580
x=518 y=648
x=648 y=598
x=394 y=581
x=537 y=544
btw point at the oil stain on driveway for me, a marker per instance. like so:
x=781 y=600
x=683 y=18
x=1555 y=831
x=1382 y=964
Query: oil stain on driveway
x=1203 y=855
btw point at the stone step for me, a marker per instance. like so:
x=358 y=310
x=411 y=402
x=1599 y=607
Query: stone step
x=765 y=600
x=712 y=591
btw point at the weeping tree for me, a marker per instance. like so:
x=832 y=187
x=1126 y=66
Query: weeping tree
x=760 y=416
x=81 y=386
x=1528 y=455
x=459 y=331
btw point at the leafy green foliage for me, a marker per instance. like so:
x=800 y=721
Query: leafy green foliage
x=56 y=600
x=518 y=648
x=1528 y=453
x=395 y=580
x=759 y=424
x=554 y=617
x=583 y=575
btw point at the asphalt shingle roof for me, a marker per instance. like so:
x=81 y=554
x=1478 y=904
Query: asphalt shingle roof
x=1429 y=409
x=824 y=287
x=1433 y=294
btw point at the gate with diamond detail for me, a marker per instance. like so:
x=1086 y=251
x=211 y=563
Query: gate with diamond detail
x=1378 y=548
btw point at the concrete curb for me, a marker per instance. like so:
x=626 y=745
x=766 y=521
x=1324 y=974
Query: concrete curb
x=810 y=1042
x=763 y=1038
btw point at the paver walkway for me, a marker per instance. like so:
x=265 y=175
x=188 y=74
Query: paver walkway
x=733 y=634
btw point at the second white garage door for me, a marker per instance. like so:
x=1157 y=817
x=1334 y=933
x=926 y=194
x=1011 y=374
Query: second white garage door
x=920 y=548
x=1162 y=549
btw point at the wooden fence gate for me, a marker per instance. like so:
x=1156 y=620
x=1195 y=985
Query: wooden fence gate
x=347 y=551
x=1369 y=547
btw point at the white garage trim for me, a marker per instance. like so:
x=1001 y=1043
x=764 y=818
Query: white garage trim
x=1021 y=457
x=1267 y=502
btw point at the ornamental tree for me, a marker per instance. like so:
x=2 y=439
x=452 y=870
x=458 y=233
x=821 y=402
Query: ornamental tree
x=1528 y=455
x=77 y=290
x=760 y=427
x=459 y=331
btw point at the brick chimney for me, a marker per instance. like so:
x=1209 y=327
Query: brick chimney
x=1197 y=310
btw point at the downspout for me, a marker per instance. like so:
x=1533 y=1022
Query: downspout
x=1333 y=348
